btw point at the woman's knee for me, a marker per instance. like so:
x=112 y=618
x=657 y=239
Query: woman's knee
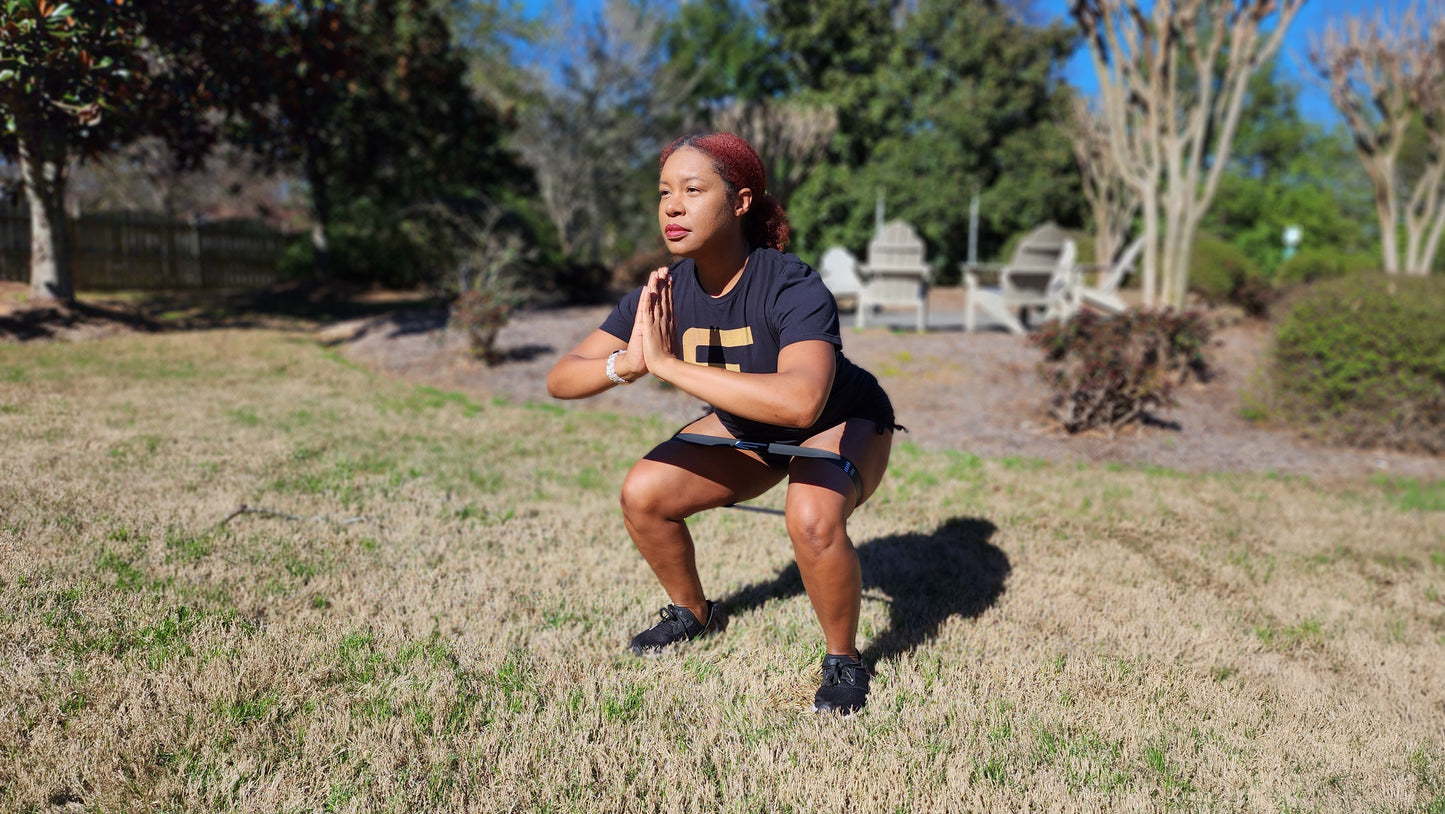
x=644 y=491
x=815 y=528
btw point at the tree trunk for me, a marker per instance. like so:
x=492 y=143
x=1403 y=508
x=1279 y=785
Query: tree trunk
x=320 y=210
x=43 y=174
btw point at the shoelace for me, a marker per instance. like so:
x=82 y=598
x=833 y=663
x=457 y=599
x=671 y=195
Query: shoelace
x=671 y=618
x=839 y=672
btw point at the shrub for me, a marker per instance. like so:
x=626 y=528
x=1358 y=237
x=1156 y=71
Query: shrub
x=1360 y=360
x=1222 y=273
x=1314 y=265
x=1106 y=371
x=481 y=313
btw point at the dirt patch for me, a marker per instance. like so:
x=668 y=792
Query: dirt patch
x=975 y=393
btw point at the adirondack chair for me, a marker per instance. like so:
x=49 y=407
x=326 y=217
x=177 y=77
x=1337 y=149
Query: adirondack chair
x=839 y=270
x=1104 y=295
x=1040 y=282
x=895 y=274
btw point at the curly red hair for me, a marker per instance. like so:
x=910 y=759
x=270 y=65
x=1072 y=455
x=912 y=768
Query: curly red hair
x=737 y=163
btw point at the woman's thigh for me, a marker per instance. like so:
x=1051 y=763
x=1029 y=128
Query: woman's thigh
x=677 y=479
x=822 y=481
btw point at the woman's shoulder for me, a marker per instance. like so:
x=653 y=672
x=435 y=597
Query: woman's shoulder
x=781 y=264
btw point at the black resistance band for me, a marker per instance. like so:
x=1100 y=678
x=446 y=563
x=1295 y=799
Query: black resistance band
x=785 y=450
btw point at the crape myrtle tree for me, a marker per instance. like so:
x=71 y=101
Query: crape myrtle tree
x=1113 y=204
x=934 y=100
x=1286 y=171
x=369 y=101
x=1388 y=81
x=78 y=80
x=1173 y=79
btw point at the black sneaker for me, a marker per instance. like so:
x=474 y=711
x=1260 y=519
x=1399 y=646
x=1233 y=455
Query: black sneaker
x=845 y=685
x=678 y=625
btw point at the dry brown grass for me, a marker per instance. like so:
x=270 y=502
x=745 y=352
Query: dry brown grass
x=439 y=625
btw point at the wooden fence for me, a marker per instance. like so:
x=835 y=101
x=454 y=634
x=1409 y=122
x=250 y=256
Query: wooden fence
x=144 y=251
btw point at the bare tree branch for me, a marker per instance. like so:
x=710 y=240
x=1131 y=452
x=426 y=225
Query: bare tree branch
x=1173 y=79
x=1386 y=77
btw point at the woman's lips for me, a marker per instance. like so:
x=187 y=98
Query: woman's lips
x=674 y=231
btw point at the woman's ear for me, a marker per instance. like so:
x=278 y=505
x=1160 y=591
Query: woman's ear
x=743 y=203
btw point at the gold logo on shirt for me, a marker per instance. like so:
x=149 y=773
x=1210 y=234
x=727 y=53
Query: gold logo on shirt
x=708 y=346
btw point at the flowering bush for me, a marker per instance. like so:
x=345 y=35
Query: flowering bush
x=1106 y=371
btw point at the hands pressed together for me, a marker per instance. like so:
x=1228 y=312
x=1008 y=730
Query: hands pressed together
x=651 y=342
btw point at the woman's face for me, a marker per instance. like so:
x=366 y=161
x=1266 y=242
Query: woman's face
x=694 y=208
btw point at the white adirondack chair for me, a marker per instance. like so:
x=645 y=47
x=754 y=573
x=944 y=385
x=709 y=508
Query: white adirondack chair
x=839 y=270
x=895 y=274
x=1103 y=296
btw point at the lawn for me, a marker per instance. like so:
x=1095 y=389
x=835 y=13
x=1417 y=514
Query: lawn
x=241 y=574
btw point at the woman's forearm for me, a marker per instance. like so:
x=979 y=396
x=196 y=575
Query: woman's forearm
x=582 y=372
x=792 y=397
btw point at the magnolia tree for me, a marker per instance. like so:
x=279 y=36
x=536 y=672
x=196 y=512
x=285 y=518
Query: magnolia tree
x=78 y=80
x=1386 y=78
x=1172 y=83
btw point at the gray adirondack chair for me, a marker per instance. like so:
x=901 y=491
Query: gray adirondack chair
x=1040 y=282
x=895 y=273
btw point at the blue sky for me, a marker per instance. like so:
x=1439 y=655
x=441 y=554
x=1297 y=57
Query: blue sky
x=1311 y=21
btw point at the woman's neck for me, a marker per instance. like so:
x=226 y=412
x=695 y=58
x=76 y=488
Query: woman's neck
x=718 y=272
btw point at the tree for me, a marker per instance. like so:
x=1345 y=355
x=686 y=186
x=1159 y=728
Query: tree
x=742 y=86
x=78 y=80
x=593 y=139
x=933 y=100
x=1113 y=204
x=1286 y=171
x=1387 y=79
x=1173 y=78
x=368 y=98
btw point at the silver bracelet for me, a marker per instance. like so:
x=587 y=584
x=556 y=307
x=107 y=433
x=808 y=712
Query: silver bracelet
x=612 y=367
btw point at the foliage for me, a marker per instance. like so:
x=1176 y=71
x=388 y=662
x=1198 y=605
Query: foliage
x=1286 y=171
x=369 y=100
x=1314 y=265
x=729 y=51
x=1106 y=371
x=1361 y=360
x=78 y=80
x=1221 y=273
x=954 y=97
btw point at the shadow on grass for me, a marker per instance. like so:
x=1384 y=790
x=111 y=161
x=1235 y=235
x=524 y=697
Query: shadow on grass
x=930 y=577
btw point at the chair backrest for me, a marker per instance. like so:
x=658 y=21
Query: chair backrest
x=1048 y=277
x=896 y=247
x=839 y=270
x=1118 y=270
x=1040 y=248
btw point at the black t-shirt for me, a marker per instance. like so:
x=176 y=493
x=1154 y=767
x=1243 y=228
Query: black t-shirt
x=778 y=300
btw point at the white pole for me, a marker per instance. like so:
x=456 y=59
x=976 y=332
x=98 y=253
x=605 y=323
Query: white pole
x=973 y=228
